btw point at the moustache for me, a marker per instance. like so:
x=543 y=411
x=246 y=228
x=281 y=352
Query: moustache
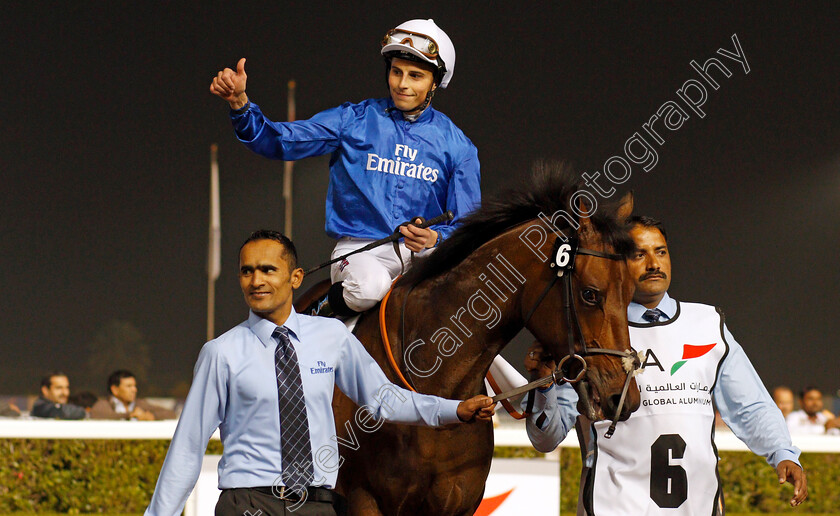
x=649 y=275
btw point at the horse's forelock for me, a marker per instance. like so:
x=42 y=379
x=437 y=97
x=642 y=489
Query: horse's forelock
x=548 y=189
x=615 y=233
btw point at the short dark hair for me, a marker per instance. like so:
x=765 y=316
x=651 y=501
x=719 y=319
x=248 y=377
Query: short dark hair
x=84 y=399
x=436 y=71
x=117 y=377
x=807 y=389
x=46 y=381
x=266 y=234
x=648 y=222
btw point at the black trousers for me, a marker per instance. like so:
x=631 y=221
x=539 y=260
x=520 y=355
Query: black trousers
x=251 y=502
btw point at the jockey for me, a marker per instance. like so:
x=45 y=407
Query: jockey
x=393 y=160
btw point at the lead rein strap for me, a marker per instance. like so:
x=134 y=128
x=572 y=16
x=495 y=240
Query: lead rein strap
x=611 y=429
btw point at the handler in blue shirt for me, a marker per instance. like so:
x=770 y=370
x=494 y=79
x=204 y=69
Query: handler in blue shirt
x=235 y=388
x=392 y=159
x=621 y=474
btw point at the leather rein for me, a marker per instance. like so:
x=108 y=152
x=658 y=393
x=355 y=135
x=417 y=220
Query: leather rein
x=563 y=261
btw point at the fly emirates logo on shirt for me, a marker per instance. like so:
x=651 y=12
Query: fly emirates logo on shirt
x=402 y=164
x=322 y=368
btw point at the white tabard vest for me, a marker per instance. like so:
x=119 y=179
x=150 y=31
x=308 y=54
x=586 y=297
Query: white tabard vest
x=663 y=461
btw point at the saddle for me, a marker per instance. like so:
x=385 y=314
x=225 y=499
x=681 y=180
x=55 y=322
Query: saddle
x=501 y=377
x=310 y=300
x=314 y=298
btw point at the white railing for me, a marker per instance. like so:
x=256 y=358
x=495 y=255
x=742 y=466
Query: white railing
x=505 y=435
x=88 y=429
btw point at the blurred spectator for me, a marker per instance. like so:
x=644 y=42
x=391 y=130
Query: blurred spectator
x=123 y=402
x=9 y=410
x=84 y=399
x=53 y=402
x=832 y=427
x=812 y=418
x=783 y=396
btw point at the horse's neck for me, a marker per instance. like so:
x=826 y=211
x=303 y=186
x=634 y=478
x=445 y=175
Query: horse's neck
x=458 y=322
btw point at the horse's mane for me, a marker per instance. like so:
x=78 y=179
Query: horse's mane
x=548 y=189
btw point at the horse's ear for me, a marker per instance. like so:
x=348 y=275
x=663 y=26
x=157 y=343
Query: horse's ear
x=625 y=208
x=585 y=212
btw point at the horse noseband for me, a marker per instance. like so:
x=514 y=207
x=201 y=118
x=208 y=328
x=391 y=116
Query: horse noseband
x=564 y=254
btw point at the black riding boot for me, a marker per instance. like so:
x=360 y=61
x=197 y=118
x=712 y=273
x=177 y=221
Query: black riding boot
x=333 y=305
x=335 y=300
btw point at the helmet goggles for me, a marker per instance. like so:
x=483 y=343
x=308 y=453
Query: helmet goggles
x=419 y=42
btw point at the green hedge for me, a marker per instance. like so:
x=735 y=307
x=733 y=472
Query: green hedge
x=80 y=476
x=750 y=485
x=115 y=476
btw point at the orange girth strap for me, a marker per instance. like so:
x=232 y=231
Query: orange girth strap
x=383 y=330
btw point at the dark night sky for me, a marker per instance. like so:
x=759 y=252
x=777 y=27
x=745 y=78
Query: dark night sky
x=107 y=123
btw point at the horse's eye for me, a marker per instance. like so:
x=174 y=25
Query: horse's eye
x=589 y=296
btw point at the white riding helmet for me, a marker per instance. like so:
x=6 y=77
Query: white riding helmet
x=425 y=41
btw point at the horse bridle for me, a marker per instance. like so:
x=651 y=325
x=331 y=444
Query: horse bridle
x=563 y=261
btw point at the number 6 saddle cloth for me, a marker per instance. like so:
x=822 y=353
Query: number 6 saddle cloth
x=663 y=459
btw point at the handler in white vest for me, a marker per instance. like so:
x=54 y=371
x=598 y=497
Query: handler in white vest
x=663 y=459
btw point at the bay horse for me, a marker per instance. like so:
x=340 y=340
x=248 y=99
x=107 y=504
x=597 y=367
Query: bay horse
x=450 y=315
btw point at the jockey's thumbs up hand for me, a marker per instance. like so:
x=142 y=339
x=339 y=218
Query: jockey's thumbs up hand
x=230 y=85
x=477 y=408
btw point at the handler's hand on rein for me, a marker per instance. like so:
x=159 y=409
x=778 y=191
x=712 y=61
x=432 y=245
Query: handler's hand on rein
x=230 y=85
x=538 y=360
x=417 y=239
x=477 y=408
x=789 y=471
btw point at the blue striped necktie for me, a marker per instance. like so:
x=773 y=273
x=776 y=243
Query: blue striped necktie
x=295 y=442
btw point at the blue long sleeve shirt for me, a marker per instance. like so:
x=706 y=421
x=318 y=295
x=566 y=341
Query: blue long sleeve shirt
x=384 y=170
x=234 y=389
x=740 y=397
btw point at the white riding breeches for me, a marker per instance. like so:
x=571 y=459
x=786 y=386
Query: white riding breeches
x=367 y=276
